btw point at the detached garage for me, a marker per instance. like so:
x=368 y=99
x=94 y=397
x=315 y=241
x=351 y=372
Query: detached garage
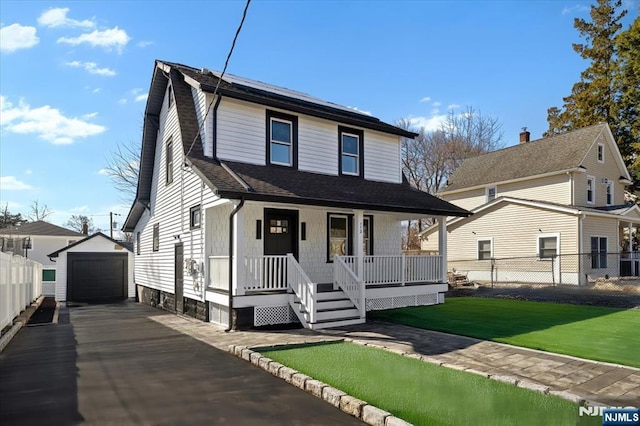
x=95 y=269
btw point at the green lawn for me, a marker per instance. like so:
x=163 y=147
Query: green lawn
x=603 y=334
x=425 y=394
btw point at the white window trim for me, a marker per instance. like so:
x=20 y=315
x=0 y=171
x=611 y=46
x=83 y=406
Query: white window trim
x=609 y=187
x=591 y=179
x=540 y=236
x=606 y=252
x=490 y=239
x=600 y=145
x=486 y=193
x=357 y=156
x=290 y=144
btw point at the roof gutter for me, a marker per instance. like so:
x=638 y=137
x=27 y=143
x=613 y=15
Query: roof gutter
x=231 y=248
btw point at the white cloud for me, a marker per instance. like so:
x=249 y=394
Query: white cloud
x=141 y=98
x=92 y=68
x=453 y=106
x=435 y=111
x=103 y=172
x=428 y=123
x=113 y=38
x=122 y=101
x=15 y=37
x=90 y=115
x=57 y=17
x=578 y=8
x=46 y=122
x=28 y=172
x=10 y=183
x=144 y=43
x=425 y=99
x=135 y=91
x=96 y=90
x=436 y=104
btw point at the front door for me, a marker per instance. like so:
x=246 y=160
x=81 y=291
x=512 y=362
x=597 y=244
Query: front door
x=280 y=232
x=179 y=278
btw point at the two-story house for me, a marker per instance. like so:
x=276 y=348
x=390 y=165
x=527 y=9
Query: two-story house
x=260 y=205
x=35 y=240
x=555 y=206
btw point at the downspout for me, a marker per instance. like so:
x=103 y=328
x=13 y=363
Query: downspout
x=231 y=247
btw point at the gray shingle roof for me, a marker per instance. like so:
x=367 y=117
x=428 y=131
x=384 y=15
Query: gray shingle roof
x=537 y=157
x=40 y=228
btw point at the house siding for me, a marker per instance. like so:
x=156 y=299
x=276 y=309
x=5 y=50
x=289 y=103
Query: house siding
x=601 y=227
x=608 y=169
x=382 y=157
x=202 y=101
x=467 y=199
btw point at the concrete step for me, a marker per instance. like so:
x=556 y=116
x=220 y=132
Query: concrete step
x=336 y=323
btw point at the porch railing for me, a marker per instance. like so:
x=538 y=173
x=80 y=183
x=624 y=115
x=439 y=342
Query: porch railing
x=265 y=273
x=347 y=280
x=399 y=269
x=219 y=272
x=303 y=288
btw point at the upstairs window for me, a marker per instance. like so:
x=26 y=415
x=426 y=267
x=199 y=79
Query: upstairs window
x=156 y=237
x=491 y=193
x=591 y=181
x=194 y=217
x=282 y=139
x=609 y=193
x=170 y=96
x=169 y=162
x=600 y=153
x=138 y=242
x=351 y=147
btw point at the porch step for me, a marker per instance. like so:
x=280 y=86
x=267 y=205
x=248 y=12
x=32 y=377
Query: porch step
x=324 y=305
x=331 y=295
x=336 y=314
x=336 y=323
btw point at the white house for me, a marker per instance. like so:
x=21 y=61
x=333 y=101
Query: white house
x=35 y=240
x=262 y=205
x=552 y=210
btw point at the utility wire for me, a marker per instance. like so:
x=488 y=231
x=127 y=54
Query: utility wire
x=226 y=63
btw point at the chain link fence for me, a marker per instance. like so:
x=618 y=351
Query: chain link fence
x=619 y=272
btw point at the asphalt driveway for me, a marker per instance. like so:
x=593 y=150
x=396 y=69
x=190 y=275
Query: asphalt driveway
x=112 y=364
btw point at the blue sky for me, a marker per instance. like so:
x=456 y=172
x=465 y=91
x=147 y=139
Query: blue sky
x=74 y=75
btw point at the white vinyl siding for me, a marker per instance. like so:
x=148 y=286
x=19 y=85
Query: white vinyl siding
x=382 y=157
x=600 y=171
x=202 y=101
x=317 y=145
x=603 y=228
x=467 y=199
x=241 y=132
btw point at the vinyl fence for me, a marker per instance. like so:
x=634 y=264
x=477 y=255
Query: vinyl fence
x=20 y=284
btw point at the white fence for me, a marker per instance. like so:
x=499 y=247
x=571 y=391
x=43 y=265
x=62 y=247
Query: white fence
x=20 y=284
x=403 y=269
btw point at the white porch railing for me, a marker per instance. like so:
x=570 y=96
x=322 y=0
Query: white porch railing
x=265 y=273
x=400 y=269
x=219 y=272
x=347 y=280
x=303 y=288
x=20 y=284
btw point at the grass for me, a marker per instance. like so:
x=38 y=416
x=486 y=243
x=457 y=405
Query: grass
x=422 y=393
x=603 y=334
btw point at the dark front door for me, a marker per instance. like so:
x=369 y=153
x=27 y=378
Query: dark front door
x=179 y=281
x=280 y=232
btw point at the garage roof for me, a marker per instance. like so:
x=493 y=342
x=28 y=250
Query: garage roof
x=77 y=243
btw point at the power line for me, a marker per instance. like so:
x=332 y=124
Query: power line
x=226 y=63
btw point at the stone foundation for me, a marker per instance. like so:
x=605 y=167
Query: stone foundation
x=166 y=301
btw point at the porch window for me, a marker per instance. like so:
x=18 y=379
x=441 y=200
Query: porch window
x=485 y=249
x=491 y=193
x=609 y=193
x=598 y=252
x=338 y=236
x=351 y=147
x=367 y=235
x=156 y=237
x=282 y=136
x=547 y=246
x=169 y=162
x=591 y=181
x=194 y=217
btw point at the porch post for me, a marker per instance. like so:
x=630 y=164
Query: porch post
x=238 y=254
x=630 y=248
x=442 y=247
x=358 y=251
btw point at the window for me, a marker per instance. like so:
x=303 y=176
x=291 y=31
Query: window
x=609 y=193
x=548 y=246
x=600 y=153
x=278 y=226
x=598 y=252
x=367 y=236
x=351 y=147
x=282 y=139
x=48 y=275
x=338 y=236
x=194 y=217
x=156 y=237
x=169 y=161
x=491 y=193
x=138 y=242
x=485 y=249
x=591 y=184
x=170 y=96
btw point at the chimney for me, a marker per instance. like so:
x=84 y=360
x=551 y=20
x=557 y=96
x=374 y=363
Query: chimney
x=85 y=228
x=524 y=135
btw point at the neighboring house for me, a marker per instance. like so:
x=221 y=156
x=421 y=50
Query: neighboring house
x=252 y=202
x=94 y=269
x=35 y=240
x=554 y=206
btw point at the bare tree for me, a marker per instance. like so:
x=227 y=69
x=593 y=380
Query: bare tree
x=123 y=168
x=77 y=221
x=39 y=212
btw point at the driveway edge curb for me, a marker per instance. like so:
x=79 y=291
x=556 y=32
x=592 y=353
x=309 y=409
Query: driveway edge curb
x=362 y=410
x=19 y=322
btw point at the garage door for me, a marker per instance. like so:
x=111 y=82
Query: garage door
x=96 y=277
